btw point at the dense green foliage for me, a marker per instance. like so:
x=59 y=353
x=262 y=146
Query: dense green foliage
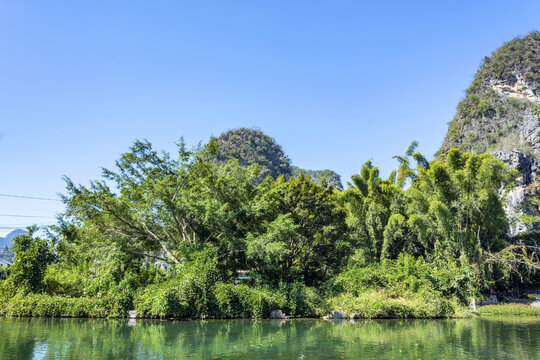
x=405 y=287
x=250 y=146
x=331 y=177
x=32 y=255
x=518 y=55
x=166 y=237
x=301 y=233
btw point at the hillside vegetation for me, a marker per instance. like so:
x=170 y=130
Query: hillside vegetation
x=501 y=109
x=250 y=146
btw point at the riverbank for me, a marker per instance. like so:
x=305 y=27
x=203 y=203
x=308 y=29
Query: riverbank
x=372 y=307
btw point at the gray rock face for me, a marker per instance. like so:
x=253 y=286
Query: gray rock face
x=517 y=200
x=526 y=165
x=530 y=132
x=277 y=314
x=335 y=315
x=244 y=315
x=490 y=300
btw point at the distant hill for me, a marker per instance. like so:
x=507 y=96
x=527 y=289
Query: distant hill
x=6 y=254
x=6 y=241
x=6 y=244
x=252 y=146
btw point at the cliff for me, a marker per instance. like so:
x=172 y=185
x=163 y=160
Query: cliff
x=500 y=114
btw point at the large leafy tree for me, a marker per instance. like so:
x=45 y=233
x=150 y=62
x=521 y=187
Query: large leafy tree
x=302 y=232
x=155 y=206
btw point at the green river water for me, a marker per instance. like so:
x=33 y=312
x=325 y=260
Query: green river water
x=492 y=338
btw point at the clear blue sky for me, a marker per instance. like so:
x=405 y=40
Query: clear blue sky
x=336 y=83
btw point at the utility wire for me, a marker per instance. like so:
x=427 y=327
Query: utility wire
x=26 y=216
x=29 y=197
x=14 y=227
x=21 y=223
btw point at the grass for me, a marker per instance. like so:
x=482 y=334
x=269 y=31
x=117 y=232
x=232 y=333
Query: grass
x=509 y=309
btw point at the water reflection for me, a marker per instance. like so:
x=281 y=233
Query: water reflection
x=269 y=339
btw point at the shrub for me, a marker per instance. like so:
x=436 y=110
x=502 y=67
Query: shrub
x=302 y=301
x=186 y=294
x=195 y=289
x=176 y=299
x=163 y=301
x=258 y=302
x=379 y=304
x=261 y=302
x=231 y=299
x=66 y=282
x=54 y=306
x=407 y=275
x=483 y=106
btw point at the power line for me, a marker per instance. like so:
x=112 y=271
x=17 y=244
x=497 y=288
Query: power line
x=11 y=227
x=22 y=226
x=22 y=223
x=26 y=216
x=29 y=197
x=47 y=223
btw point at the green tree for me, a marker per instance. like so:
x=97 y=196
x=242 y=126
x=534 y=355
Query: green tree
x=163 y=208
x=302 y=231
x=332 y=178
x=455 y=206
x=32 y=256
x=370 y=202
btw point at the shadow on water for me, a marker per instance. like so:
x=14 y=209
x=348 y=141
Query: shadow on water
x=33 y=338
